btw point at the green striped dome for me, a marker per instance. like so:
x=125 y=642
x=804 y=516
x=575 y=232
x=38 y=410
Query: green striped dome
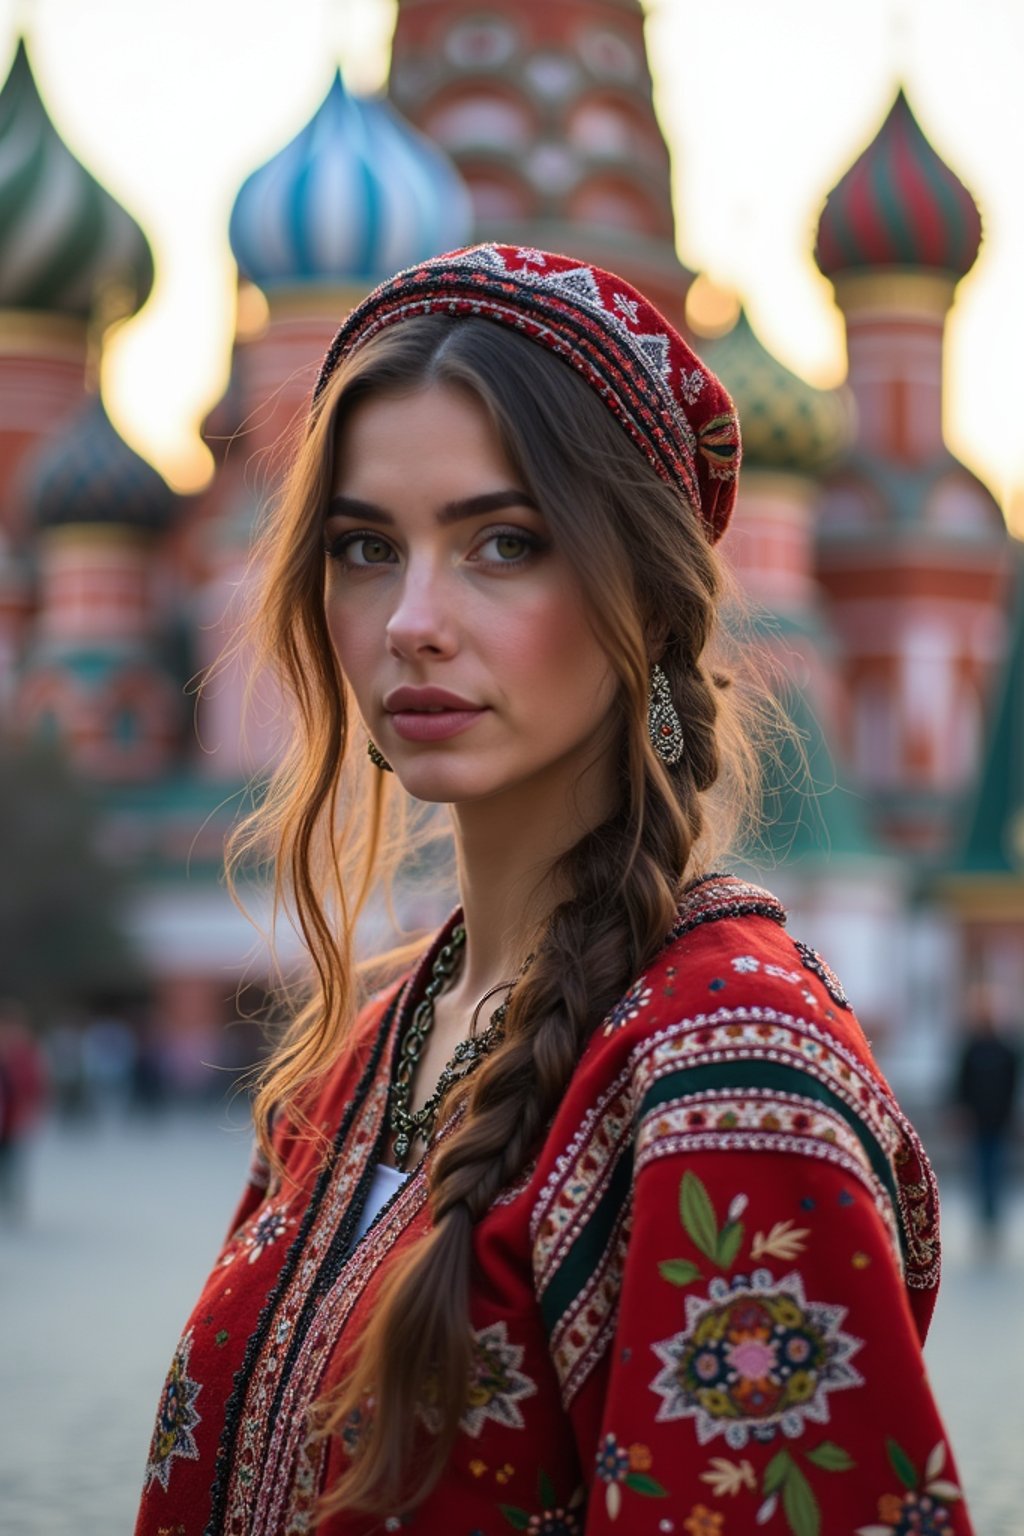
x=899 y=205
x=786 y=423
x=64 y=238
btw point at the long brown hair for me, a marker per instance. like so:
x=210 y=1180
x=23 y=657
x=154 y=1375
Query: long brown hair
x=654 y=590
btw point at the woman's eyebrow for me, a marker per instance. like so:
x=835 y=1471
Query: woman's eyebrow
x=450 y=512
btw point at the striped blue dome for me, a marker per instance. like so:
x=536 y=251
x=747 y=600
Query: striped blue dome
x=357 y=195
x=88 y=474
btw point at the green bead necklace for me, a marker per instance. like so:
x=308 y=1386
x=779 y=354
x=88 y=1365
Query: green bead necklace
x=409 y=1127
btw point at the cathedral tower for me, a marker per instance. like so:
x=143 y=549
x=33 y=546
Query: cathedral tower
x=546 y=109
x=913 y=547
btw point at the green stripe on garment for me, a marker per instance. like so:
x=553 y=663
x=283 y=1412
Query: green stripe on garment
x=739 y=1075
x=585 y=1254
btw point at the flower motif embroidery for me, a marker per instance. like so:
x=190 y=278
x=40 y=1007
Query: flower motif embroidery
x=264 y=1231
x=756 y=1357
x=746 y=965
x=922 y=1510
x=628 y=1007
x=619 y=1467
x=703 y=1521
x=176 y=1418
x=497 y=1386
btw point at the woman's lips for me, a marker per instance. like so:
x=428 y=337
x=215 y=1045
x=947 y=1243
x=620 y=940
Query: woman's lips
x=433 y=725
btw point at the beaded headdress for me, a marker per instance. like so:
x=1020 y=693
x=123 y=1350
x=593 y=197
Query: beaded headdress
x=674 y=408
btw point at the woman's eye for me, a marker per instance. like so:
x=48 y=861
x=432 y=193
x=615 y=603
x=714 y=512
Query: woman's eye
x=360 y=549
x=507 y=548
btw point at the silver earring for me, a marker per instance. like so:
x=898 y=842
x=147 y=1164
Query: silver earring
x=377 y=758
x=663 y=723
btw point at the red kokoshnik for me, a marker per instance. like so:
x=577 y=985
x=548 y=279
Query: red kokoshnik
x=674 y=408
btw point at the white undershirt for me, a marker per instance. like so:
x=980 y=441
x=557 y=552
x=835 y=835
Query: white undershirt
x=385 y=1181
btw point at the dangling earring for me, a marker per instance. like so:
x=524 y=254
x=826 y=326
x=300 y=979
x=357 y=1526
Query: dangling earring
x=663 y=723
x=377 y=758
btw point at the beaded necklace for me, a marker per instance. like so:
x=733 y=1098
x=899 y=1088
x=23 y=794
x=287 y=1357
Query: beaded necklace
x=407 y=1127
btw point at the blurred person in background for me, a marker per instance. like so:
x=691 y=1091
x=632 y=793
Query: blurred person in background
x=22 y=1100
x=985 y=1090
x=601 y=1216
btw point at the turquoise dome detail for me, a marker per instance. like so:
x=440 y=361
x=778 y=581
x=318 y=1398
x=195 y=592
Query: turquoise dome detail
x=355 y=196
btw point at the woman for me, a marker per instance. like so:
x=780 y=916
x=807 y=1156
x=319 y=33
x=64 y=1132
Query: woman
x=602 y=1217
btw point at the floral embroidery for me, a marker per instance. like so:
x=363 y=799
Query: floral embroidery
x=923 y=1510
x=619 y=1467
x=746 y=965
x=176 y=1418
x=554 y=1519
x=497 y=1386
x=703 y=1521
x=754 y=1358
x=628 y=1007
x=263 y=1232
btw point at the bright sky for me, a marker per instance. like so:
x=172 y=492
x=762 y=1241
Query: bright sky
x=764 y=104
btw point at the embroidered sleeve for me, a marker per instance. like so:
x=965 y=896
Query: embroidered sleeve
x=765 y=1370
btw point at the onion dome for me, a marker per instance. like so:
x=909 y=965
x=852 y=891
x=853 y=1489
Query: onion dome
x=786 y=423
x=65 y=240
x=899 y=205
x=357 y=194
x=90 y=475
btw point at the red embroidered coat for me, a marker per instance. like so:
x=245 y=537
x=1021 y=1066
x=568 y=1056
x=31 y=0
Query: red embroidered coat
x=700 y=1311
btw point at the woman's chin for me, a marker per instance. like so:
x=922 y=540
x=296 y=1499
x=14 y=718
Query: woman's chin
x=439 y=783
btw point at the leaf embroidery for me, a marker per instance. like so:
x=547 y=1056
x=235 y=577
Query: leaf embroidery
x=641 y=1483
x=784 y=1241
x=901 y=1463
x=831 y=1457
x=698 y=1214
x=678 y=1271
x=728 y=1477
x=782 y=1475
x=936 y=1461
x=698 y=1217
x=799 y=1504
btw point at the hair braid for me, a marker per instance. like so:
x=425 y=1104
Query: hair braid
x=625 y=876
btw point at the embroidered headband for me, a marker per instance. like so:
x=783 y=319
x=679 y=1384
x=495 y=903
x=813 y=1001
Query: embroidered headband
x=674 y=408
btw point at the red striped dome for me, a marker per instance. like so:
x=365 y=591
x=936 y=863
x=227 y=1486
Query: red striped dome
x=899 y=205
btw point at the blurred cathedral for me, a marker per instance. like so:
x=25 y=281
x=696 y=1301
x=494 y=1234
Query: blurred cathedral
x=882 y=575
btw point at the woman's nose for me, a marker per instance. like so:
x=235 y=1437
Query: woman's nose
x=423 y=619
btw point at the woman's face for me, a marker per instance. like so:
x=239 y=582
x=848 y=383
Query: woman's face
x=459 y=626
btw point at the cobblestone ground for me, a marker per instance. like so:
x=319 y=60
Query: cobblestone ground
x=122 y=1223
